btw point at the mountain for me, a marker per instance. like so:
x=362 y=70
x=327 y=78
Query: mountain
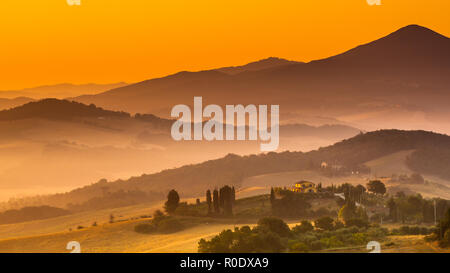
x=427 y=153
x=11 y=103
x=271 y=62
x=398 y=81
x=60 y=91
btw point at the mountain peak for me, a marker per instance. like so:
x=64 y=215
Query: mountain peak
x=410 y=46
x=415 y=32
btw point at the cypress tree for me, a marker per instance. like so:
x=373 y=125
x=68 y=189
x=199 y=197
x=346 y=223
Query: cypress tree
x=216 y=201
x=208 y=200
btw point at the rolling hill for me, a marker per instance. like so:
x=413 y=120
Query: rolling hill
x=399 y=81
x=346 y=158
x=53 y=145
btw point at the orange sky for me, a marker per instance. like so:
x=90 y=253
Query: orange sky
x=103 y=41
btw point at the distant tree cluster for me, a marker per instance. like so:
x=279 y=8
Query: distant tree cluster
x=273 y=235
x=415 y=209
x=222 y=201
x=377 y=187
x=160 y=223
x=290 y=204
x=442 y=231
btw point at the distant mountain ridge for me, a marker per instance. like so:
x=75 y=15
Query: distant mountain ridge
x=383 y=84
x=55 y=109
x=60 y=91
x=271 y=62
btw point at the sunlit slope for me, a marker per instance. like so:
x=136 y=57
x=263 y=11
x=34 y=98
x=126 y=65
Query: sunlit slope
x=116 y=237
x=85 y=219
x=381 y=167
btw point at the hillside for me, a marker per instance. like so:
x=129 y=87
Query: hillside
x=350 y=154
x=54 y=146
x=399 y=81
x=57 y=109
x=349 y=157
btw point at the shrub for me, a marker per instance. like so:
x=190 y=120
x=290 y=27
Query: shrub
x=412 y=230
x=338 y=225
x=445 y=242
x=298 y=247
x=169 y=225
x=187 y=210
x=316 y=245
x=145 y=228
x=274 y=225
x=243 y=240
x=357 y=222
x=324 y=223
x=304 y=227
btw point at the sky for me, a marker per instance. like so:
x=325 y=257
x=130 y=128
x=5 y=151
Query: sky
x=47 y=42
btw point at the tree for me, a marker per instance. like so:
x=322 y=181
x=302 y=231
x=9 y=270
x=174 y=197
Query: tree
x=173 y=200
x=324 y=223
x=428 y=211
x=274 y=225
x=348 y=211
x=443 y=230
x=221 y=199
x=392 y=209
x=226 y=195
x=360 y=189
x=304 y=227
x=216 y=201
x=272 y=196
x=208 y=200
x=233 y=194
x=377 y=187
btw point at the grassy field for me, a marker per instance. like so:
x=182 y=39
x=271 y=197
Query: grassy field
x=120 y=237
x=52 y=235
x=72 y=221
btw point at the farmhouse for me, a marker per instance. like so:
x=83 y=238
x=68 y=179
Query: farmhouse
x=304 y=187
